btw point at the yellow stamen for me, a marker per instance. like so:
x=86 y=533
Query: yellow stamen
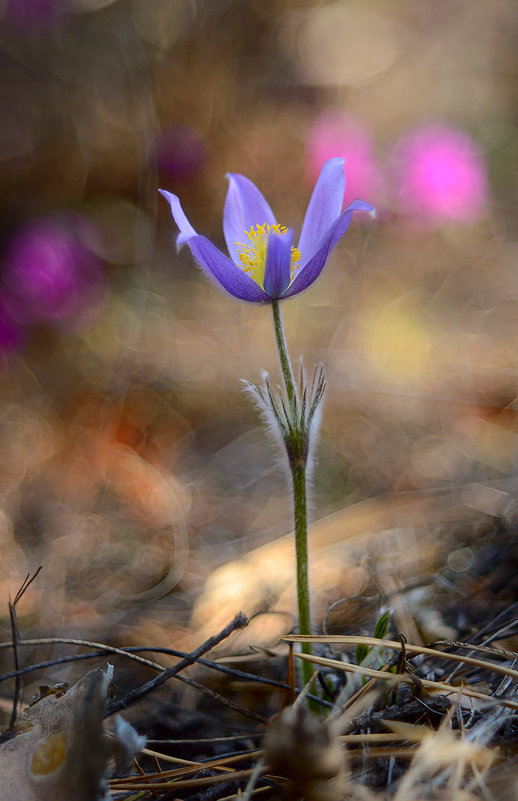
x=253 y=255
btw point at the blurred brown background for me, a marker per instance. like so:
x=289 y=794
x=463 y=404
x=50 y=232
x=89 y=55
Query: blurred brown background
x=132 y=463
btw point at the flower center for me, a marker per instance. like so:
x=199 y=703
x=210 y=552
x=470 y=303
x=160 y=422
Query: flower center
x=252 y=255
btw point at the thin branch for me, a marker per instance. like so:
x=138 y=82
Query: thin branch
x=15 y=637
x=239 y=622
x=248 y=713
x=131 y=652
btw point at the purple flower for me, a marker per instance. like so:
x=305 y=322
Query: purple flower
x=264 y=265
x=442 y=178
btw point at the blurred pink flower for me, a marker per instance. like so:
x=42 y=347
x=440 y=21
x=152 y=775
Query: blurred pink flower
x=440 y=176
x=335 y=133
x=52 y=273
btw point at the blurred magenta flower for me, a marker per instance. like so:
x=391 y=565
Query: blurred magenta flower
x=181 y=152
x=264 y=264
x=441 y=176
x=52 y=273
x=12 y=335
x=334 y=131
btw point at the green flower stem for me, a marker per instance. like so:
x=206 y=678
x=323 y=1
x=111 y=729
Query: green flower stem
x=297 y=456
x=301 y=553
x=287 y=372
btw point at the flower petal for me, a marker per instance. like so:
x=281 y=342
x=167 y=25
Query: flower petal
x=186 y=229
x=324 y=207
x=310 y=272
x=245 y=207
x=213 y=262
x=277 y=265
x=339 y=229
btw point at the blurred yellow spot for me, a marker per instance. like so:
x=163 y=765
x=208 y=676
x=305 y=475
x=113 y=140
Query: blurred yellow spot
x=397 y=344
x=50 y=755
x=253 y=254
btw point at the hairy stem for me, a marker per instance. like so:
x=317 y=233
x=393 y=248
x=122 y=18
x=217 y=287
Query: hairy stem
x=296 y=448
x=284 y=359
x=298 y=475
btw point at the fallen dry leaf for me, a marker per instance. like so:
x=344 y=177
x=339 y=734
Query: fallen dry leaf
x=64 y=753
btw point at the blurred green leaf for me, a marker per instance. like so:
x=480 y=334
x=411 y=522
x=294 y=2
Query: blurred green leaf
x=361 y=652
x=382 y=624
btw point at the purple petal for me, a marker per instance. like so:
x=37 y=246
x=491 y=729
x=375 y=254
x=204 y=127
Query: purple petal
x=186 y=229
x=324 y=207
x=213 y=262
x=310 y=272
x=339 y=230
x=277 y=266
x=245 y=207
